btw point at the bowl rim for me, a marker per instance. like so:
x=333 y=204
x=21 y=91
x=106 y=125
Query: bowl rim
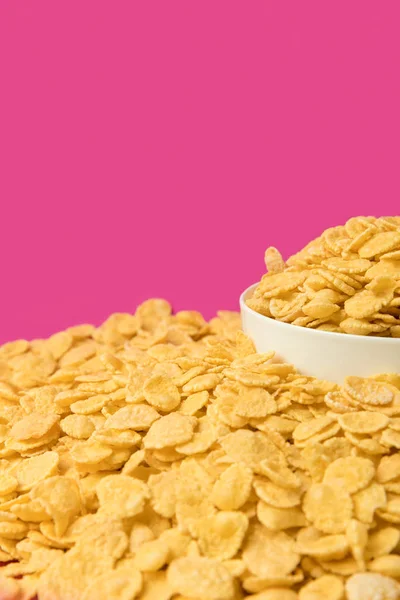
x=350 y=337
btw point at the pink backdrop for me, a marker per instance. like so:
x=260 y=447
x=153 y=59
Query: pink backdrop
x=155 y=148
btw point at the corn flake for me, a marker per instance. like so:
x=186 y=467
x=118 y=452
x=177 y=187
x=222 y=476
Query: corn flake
x=202 y=578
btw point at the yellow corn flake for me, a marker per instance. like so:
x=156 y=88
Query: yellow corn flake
x=367 y=501
x=151 y=555
x=31 y=512
x=273 y=260
x=391 y=438
x=61 y=499
x=116 y=585
x=163 y=495
x=388 y=468
x=328 y=587
x=8 y=484
x=248 y=447
x=79 y=427
x=255 y=403
x=366 y=303
x=220 y=536
x=161 y=393
x=140 y=533
x=276 y=495
x=201 y=383
x=329 y=547
x=117 y=438
x=34 y=426
x=363 y=422
x=201 y=578
x=382 y=542
x=138 y=417
x=361 y=327
x=232 y=489
x=277 y=519
x=193 y=403
x=171 y=430
x=268 y=553
x=388 y=565
x=252 y=583
x=371 y=586
x=33 y=470
x=90 y=453
x=352 y=473
x=357 y=537
x=121 y=496
x=176 y=542
x=279 y=473
x=305 y=431
x=380 y=243
x=65 y=398
x=13 y=530
x=368 y=391
x=328 y=507
x=90 y=406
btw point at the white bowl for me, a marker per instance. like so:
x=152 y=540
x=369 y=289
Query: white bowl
x=322 y=354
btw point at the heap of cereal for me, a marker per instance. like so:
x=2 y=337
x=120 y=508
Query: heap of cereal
x=160 y=457
x=347 y=280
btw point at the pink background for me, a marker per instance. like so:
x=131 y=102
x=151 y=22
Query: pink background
x=155 y=148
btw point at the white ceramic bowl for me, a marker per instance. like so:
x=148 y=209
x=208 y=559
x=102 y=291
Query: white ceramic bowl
x=322 y=354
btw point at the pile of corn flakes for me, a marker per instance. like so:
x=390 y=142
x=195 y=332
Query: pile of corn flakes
x=160 y=457
x=346 y=281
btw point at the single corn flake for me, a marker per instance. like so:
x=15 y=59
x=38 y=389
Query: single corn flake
x=278 y=519
x=139 y=417
x=353 y=473
x=151 y=556
x=201 y=578
x=363 y=422
x=233 y=487
x=171 y=430
x=115 y=585
x=372 y=586
x=269 y=553
x=220 y=536
x=327 y=587
x=161 y=393
x=121 y=496
x=79 y=427
x=328 y=507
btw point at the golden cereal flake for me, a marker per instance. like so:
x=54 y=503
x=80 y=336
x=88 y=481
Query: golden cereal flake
x=372 y=586
x=201 y=578
x=171 y=430
x=161 y=393
x=269 y=553
x=328 y=507
x=139 y=417
x=121 y=496
x=79 y=427
x=232 y=489
x=277 y=519
x=33 y=426
x=327 y=587
x=353 y=473
x=115 y=585
x=220 y=536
